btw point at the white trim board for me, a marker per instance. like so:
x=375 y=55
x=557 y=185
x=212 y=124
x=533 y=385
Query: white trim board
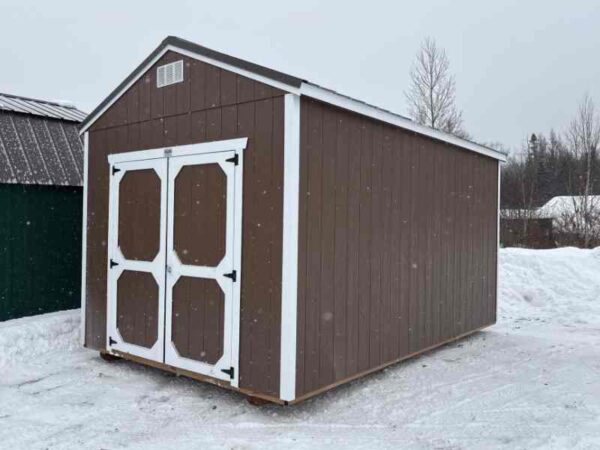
x=238 y=199
x=180 y=150
x=314 y=91
x=289 y=272
x=84 y=236
x=498 y=240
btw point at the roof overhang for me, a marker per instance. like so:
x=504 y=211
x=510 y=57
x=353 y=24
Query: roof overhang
x=333 y=98
x=285 y=82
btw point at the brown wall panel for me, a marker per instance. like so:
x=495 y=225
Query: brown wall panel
x=397 y=244
x=207 y=106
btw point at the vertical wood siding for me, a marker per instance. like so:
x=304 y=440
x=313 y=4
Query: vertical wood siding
x=397 y=244
x=211 y=104
x=40 y=240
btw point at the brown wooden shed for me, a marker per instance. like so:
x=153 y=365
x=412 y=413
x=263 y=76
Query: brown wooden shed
x=356 y=237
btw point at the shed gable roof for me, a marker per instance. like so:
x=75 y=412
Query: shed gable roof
x=38 y=147
x=286 y=82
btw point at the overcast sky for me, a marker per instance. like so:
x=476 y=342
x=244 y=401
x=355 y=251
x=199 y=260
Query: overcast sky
x=521 y=66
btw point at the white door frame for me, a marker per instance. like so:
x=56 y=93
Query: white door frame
x=117 y=263
x=238 y=146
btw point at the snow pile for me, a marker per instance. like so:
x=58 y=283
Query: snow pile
x=28 y=338
x=560 y=285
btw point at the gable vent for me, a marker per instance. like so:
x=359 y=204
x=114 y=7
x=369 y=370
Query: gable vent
x=169 y=74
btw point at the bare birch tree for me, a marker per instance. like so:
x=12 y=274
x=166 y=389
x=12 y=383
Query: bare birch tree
x=432 y=93
x=583 y=138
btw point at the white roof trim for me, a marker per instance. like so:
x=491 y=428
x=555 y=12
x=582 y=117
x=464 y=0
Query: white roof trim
x=314 y=91
x=211 y=61
x=333 y=98
x=234 y=69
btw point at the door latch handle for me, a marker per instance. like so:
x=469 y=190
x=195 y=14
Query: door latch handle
x=169 y=269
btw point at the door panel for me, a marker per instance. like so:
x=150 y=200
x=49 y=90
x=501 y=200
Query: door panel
x=200 y=214
x=139 y=214
x=136 y=252
x=199 y=290
x=137 y=308
x=198 y=319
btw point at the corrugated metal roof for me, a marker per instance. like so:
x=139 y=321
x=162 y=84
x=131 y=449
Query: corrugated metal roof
x=42 y=108
x=37 y=148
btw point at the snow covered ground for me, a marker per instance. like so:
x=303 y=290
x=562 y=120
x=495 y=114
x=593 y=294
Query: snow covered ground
x=531 y=381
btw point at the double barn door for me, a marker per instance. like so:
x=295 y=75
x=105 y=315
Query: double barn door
x=173 y=271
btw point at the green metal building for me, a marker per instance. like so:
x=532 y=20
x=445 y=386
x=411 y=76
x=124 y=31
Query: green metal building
x=41 y=177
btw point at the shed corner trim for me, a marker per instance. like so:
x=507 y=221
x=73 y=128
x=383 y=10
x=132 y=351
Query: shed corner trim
x=289 y=275
x=84 y=237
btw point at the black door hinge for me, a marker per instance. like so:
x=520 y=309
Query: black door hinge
x=113 y=264
x=232 y=275
x=235 y=160
x=230 y=372
x=115 y=170
x=111 y=341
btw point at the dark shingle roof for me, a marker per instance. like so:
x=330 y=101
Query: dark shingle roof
x=209 y=53
x=296 y=83
x=39 y=142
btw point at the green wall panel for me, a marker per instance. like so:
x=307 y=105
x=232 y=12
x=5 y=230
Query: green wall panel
x=40 y=249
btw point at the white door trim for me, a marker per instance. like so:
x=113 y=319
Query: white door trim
x=176 y=269
x=238 y=191
x=238 y=146
x=180 y=150
x=155 y=267
x=289 y=274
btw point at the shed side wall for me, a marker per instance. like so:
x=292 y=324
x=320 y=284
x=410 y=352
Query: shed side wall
x=211 y=104
x=40 y=255
x=397 y=244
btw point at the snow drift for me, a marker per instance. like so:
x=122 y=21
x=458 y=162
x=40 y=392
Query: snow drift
x=560 y=285
x=529 y=382
x=25 y=339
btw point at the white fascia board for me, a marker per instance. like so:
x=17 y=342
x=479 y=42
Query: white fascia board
x=289 y=275
x=333 y=98
x=211 y=61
